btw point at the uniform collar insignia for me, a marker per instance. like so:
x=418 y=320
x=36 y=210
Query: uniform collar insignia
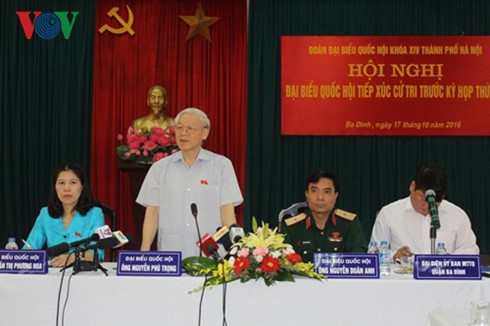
x=335 y=237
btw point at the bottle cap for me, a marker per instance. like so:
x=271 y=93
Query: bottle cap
x=11 y=239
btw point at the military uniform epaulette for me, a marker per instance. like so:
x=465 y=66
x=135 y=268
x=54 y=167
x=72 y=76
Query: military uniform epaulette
x=345 y=215
x=295 y=219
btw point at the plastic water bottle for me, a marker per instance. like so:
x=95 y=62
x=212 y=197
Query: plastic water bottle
x=384 y=258
x=11 y=244
x=441 y=249
x=373 y=247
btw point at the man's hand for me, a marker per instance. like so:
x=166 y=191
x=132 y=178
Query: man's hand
x=403 y=252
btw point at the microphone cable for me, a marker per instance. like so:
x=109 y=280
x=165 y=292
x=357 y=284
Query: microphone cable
x=201 y=299
x=61 y=287
x=66 y=299
x=224 y=295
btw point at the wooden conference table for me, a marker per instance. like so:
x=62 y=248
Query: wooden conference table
x=96 y=299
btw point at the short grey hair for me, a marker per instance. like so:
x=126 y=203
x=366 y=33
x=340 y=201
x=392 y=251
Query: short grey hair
x=194 y=111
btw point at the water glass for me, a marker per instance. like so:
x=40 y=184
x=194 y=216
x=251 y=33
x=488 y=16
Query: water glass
x=479 y=313
x=406 y=264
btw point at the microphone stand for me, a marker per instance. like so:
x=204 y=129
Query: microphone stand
x=77 y=264
x=96 y=264
x=433 y=236
x=80 y=265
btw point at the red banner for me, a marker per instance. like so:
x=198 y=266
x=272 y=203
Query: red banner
x=378 y=85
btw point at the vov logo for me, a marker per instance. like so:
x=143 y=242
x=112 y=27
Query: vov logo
x=47 y=25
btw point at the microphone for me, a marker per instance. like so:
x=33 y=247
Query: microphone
x=106 y=243
x=236 y=233
x=224 y=239
x=194 y=213
x=430 y=197
x=226 y=242
x=194 y=209
x=64 y=246
x=121 y=238
x=104 y=231
x=207 y=244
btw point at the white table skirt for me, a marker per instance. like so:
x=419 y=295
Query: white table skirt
x=449 y=317
x=95 y=299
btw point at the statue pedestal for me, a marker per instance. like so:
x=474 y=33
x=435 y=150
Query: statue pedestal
x=137 y=173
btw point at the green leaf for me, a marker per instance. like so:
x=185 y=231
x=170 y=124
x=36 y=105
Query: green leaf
x=120 y=150
x=198 y=264
x=254 y=224
x=285 y=276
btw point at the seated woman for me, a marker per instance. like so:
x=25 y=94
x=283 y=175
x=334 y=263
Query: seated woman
x=69 y=216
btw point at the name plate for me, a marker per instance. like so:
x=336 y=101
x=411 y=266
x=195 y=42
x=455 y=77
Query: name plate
x=347 y=265
x=23 y=261
x=149 y=263
x=447 y=267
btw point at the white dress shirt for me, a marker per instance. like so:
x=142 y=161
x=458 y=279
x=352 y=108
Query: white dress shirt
x=402 y=226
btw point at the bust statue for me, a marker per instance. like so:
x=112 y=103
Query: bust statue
x=156 y=101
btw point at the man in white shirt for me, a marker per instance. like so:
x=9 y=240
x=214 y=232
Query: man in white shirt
x=406 y=223
x=192 y=175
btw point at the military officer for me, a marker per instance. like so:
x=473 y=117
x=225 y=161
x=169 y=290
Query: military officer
x=322 y=228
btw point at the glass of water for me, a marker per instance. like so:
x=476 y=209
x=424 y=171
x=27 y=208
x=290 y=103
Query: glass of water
x=479 y=313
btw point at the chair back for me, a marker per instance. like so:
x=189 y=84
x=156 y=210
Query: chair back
x=292 y=210
x=110 y=219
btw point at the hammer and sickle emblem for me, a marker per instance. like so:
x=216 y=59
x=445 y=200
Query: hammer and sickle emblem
x=126 y=26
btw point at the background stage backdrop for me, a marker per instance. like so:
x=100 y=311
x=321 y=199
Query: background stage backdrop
x=68 y=97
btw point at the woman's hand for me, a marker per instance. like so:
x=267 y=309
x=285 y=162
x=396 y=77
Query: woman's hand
x=60 y=261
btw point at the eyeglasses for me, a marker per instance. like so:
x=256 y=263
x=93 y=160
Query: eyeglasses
x=190 y=130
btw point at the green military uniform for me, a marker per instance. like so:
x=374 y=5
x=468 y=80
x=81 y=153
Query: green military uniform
x=342 y=233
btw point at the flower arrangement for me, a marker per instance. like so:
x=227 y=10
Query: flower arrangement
x=147 y=146
x=260 y=254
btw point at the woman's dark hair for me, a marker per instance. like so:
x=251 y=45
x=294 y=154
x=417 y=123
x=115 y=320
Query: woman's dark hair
x=86 y=200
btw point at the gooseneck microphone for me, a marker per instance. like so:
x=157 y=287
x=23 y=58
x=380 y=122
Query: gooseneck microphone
x=430 y=197
x=194 y=213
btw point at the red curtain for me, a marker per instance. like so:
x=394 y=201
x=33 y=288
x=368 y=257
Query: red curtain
x=196 y=73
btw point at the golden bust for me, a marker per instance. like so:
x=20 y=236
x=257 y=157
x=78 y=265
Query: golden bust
x=156 y=101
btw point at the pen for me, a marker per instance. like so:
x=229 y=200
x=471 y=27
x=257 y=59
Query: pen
x=28 y=246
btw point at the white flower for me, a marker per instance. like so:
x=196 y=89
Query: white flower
x=276 y=254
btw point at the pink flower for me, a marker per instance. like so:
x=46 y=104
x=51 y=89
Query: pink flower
x=127 y=154
x=120 y=137
x=158 y=156
x=134 y=145
x=174 y=150
x=149 y=145
x=132 y=138
x=164 y=141
x=244 y=252
x=157 y=131
x=260 y=251
x=145 y=153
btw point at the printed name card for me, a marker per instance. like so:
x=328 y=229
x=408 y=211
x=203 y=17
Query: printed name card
x=23 y=261
x=149 y=263
x=447 y=267
x=347 y=265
